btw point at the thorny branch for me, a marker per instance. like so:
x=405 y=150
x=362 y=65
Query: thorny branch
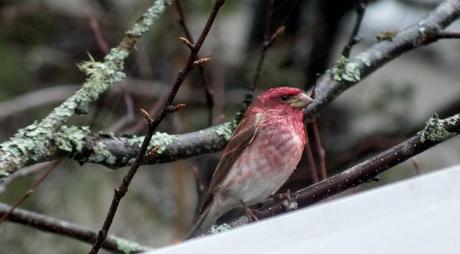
x=153 y=124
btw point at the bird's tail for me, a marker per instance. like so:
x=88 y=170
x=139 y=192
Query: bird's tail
x=206 y=218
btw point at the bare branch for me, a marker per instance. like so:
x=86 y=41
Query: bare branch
x=153 y=124
x=265 y=46
x=31 y=190
x=34 y=140
x=436 y=131
x=80 y=144
x=360 y=10
x=349 y=72
x=206 y=87
x=449 y=35
x=71 y=230
x=310 y=159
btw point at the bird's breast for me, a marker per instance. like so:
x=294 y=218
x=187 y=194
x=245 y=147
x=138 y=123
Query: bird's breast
x=266 y=163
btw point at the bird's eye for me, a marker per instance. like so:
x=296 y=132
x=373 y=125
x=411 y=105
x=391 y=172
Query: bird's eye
x=285 y=97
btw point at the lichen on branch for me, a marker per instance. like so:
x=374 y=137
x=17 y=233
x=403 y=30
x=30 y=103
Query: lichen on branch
x=437 y=129
x=345 y=71
x=36 y=141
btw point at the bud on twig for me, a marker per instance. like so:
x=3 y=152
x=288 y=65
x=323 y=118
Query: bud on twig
x=187 y=42
x=202 y=61
x=146 y=115
x=174 y=108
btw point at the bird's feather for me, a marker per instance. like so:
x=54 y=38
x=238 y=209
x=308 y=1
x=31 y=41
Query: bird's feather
x=242 y=137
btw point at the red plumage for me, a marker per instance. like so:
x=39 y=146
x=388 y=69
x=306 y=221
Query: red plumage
x=263 y=152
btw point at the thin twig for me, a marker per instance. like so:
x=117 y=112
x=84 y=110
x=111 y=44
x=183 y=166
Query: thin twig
x=94 y=25
x=319 y=149
x=200 y=185
x=416 y=165
x=206 y=87
x=354 y=39
x=30 y=191
x=268 y=40
x=449 y=35
x=152 y=126
x=69 y=229
x=266 y=44
x=310 y=158
x=123 y=188
x=23 y=173
x=318 y=145
x=128 y=118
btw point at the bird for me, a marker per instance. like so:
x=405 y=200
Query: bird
x=263 y=151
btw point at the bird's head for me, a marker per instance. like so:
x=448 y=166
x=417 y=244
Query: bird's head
x=284 y=98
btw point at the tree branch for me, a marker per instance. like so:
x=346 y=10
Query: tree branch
x=435 y=132
x=348 y=72
x=34 y=141
x=153 y=124
x=206 y=88
x=71 y=230
x=360 y=10
x=117 y=151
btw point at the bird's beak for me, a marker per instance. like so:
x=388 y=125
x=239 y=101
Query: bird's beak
x=301 y=101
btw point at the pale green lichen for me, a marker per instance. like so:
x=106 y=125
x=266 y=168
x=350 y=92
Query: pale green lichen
x=160 y=140
x=127 y=247
x=435 y=128
x=71 y=138
x=149 y=17
x=226 y=129
x=364 y=58
x=100 y=154
x=35 y=142
x=344 y=70
x=28 y=144
x=215 y=229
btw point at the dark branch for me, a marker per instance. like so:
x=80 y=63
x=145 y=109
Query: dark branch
x=360 y=10
x=449 y=35
x=206 y=88
x=265 y=46
x=435 y=132
x=65 y=228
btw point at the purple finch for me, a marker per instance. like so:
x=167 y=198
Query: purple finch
x=261 y=155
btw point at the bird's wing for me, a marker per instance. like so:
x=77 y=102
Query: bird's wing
x=242 y=137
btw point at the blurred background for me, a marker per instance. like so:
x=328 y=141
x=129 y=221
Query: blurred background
x=41 y=43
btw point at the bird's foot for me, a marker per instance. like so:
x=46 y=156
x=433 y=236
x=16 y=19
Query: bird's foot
x=281 y=196
x=250 y=213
